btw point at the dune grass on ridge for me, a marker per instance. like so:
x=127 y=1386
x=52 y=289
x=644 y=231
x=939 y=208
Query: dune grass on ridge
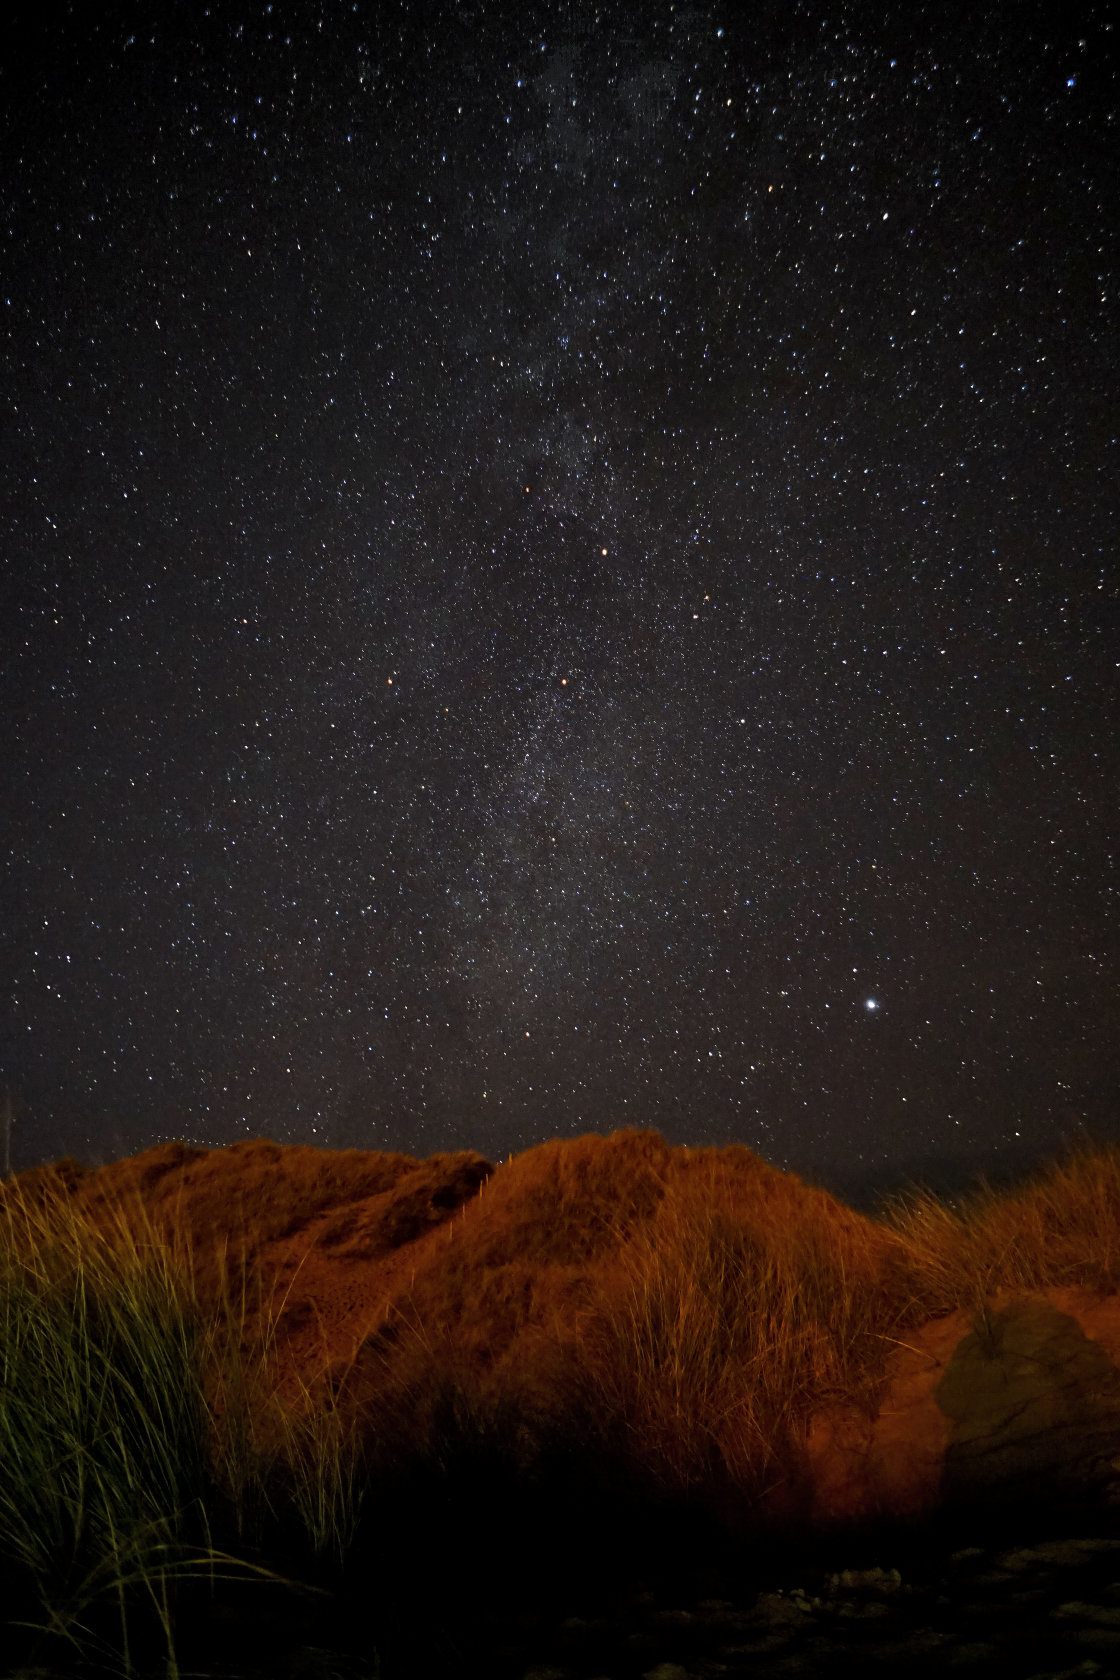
x=745 y=1300
x=1060 y=1227
x=143 y=1442
x=724 y=1320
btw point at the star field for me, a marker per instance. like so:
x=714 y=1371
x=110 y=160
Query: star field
x=560 y=572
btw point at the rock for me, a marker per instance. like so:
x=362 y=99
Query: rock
x=1057 y=1554
x=975 y=1653
x=884 y=1581
x=1033 y=1404
x=1024 y=1405
x=1101 y=1615
x=778 y=1610
x=867 y=1610
x=672 y=1618
x=1098 y=1638
x=1083 y=1671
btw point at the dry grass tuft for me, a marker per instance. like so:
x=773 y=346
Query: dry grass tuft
x=724 y=1321
x=1061 y=1227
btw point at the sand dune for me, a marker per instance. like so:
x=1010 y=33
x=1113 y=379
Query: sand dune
x=720 y=1327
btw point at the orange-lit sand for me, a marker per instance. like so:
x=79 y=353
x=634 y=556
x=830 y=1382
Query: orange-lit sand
x=382 y=1270
x=893 y=1461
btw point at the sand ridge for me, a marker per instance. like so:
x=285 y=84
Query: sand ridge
x=380 y=1270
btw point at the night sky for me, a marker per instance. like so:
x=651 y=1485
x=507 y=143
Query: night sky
x=560 y=572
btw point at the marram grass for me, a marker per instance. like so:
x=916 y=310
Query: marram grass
x=126 y=1426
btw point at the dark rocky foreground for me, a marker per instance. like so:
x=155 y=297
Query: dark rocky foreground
x=1049 y=1609
x=1025 y=1600
x=1034 y=1609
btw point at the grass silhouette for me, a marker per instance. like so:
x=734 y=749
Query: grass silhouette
x=668 y=1319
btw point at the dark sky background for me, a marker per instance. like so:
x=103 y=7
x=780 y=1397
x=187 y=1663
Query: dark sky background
x=560 y=572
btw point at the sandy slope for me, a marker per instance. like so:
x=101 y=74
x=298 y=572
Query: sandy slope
x=383 y=1271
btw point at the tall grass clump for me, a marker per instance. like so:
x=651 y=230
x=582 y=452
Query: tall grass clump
x=105 y=1430
x=725 y=1321
x=290 y=1461
x=1060 y=1228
